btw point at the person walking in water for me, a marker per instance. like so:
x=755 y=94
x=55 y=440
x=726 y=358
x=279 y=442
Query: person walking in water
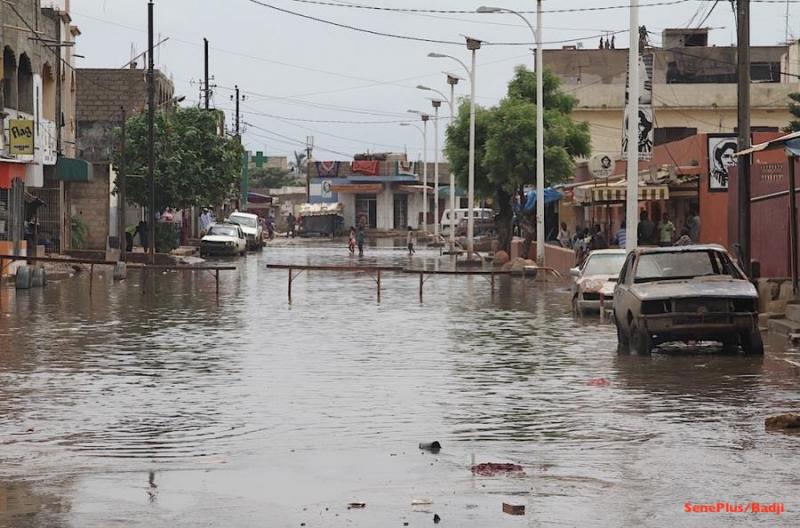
x=360 y=240
x=411 y=241
x=351 y=242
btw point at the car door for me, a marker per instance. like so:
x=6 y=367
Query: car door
x=622 y=290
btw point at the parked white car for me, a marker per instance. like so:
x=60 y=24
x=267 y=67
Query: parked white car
x=597 y=277
x=462 y=214
x=223 y=239
x=252 y=228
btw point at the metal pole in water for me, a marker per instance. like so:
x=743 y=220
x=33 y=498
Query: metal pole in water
x=379 y=285
x=91 y=278
x=421 y=281
x=290 y=284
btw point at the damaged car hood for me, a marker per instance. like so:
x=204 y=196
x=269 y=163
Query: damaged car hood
x=697 y=287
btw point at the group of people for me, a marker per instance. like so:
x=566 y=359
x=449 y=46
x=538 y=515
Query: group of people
x=662 y=233
x=356 y=238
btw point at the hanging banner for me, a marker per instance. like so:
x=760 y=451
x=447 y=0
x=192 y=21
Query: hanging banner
x=20 y=137
x=645 y=117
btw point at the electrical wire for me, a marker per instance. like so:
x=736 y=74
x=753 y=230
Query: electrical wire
x=425 y=39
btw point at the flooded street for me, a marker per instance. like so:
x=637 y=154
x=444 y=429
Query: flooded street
x=179 y=409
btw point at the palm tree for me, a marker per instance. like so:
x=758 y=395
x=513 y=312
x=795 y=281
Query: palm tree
x=299 y=163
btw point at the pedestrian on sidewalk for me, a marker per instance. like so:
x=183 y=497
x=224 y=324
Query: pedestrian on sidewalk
x=685 y=239
x=666 y=231
x=621 y=238
x=290 y=225
x=411 y=241
x=360 y=240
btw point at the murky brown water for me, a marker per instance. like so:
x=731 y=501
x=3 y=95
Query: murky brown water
x=175 y=409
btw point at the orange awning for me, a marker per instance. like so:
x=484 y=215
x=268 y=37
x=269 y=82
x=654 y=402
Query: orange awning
x=360 y=188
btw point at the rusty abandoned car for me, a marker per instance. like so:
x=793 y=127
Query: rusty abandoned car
x=689 y=293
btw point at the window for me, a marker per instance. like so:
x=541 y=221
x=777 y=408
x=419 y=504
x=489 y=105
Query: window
x=682 y=265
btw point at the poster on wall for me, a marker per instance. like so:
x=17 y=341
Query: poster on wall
x=646 y=119
x=325 y=190
x=721 y=160
x=20 y=137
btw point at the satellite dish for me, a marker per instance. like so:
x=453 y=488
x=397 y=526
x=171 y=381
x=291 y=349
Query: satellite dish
x=601 y=166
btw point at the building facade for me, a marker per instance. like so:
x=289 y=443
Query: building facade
x=693 y=87
x=103 y=94
x=383 y=192
x=37 y=115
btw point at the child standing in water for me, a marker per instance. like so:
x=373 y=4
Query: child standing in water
x=411 y=241
x=351 y=243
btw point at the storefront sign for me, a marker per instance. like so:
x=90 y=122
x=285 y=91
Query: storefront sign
x=601 y=166
x=20 y=136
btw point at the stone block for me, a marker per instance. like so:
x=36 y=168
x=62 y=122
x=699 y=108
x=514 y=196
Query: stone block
x=793 y=312
x=783 y=327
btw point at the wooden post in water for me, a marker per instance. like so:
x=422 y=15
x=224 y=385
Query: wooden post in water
x=290 y=284
x=379 y=285
x=91 y=278
x=421 y=281
x=216 y=274
x=492 y=272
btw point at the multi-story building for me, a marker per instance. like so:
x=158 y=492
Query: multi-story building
x=103 y=93
x=694 y=87
x=37 y=116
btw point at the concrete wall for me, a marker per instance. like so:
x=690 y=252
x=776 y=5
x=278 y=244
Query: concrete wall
x=89 y=202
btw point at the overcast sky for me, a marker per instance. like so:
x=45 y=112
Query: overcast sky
x=294 y=68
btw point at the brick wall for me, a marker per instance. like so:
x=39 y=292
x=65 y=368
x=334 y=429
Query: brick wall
x=102 y=93
x=89 y=202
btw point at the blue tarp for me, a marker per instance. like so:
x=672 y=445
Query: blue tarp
x=550 y=195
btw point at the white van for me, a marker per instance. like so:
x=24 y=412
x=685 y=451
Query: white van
x=461 y=214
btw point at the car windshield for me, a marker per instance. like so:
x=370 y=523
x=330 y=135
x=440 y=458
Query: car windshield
x=604 y=264
x=244 y=220
x=223 y=231
x=683 y=265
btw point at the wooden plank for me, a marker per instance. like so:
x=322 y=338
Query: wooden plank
x=334 y=268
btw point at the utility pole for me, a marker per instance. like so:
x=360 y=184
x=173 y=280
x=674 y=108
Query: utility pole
x=121 y=193
x=236 y=87
x=151 y=161
x=309 y=149
x=206 y=89
x=540 y=231
x=632 y=190
x=743 y=122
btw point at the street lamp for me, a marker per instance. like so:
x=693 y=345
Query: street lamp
x=425 y=118
x=539 y=67
x=452 y=80
x=436 y=104
x=473 y=45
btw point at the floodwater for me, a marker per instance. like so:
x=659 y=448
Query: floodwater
x=181 y=409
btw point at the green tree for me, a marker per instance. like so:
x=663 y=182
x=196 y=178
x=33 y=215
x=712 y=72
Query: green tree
x=194 y=165
x=505 y=144
x=794 y=109
x=299 y=164
x=270 y=177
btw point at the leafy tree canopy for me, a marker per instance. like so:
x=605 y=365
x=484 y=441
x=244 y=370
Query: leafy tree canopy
x=505 y=139
x=270 y=177
x=194 y=165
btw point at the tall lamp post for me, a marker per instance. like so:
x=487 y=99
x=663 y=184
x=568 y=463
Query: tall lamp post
x=436 y=105
x=425 y=117
x=473 y=45
x=539 y=68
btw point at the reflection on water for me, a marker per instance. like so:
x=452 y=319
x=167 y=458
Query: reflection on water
x=178 y=408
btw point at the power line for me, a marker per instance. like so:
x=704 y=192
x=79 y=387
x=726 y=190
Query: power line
x=425 y=39
x=467 y=12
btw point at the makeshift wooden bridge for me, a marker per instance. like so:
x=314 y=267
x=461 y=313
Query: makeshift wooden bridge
x=295 y=270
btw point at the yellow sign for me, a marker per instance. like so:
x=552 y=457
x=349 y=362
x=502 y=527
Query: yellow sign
x=20 y=135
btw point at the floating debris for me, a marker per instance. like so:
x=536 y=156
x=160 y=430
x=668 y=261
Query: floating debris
x=433 y=447
x=491 y=469
x=514 y=509
x=783 y=421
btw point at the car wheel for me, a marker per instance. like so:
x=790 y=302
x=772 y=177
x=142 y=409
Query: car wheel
x=752 y=343
x=641 y=342
x=730 y=344
x=622 y=337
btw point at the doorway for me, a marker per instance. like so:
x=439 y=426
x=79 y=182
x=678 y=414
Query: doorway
x=400 y=211
x=367 y=210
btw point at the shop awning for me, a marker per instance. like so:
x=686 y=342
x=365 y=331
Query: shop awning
x=412 y=189
x=257 y=198
x=550 y=196
x=73 y=170
x=359 y=188
x=618 y=193
x=445 y=191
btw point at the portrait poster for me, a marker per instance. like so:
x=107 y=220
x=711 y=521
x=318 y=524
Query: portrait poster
x=721 y=160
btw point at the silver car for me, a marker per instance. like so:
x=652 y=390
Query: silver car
x=687 y=293
x=596 y=279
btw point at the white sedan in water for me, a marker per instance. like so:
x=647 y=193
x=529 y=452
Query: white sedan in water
x=224 y=238
x=597 y=277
